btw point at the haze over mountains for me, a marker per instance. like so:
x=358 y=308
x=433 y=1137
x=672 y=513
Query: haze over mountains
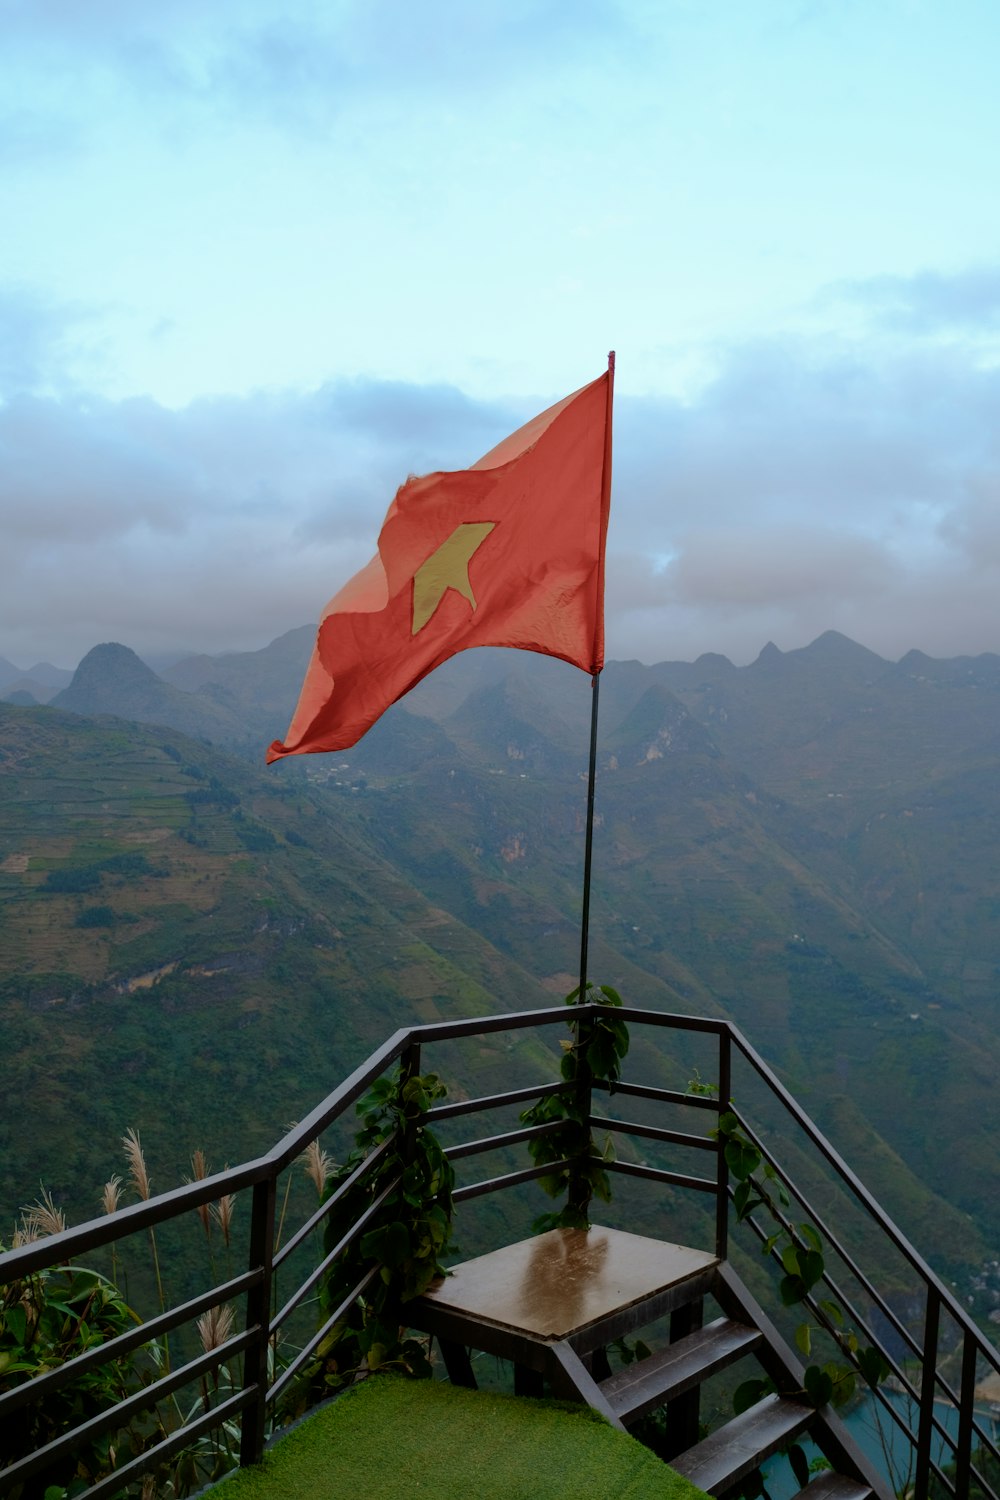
x=806 y=844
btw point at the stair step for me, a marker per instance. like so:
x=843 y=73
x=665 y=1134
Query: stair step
x=648 y=1383
x=719 y=1461
x=830 y=1486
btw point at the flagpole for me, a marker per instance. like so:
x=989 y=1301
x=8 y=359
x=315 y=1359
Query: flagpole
x=595 y=690
x=589 y=843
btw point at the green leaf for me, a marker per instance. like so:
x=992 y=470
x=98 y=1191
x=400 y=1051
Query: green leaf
x=611 y=995
x=843 y=1384
x=749 y=1393
x=390 y=1244
x=812 y=1237
x=800 y=1464
x=811 y=1267
x=741 y=1158
x=745 y=1200
x=803 y=1339
x=790 y=1260
x=833 y=1311
x=752 y=1485
x=818 y=1385
x=601 y=1055
x=873 y=1365
x=15 y=1320
x=791 y=1290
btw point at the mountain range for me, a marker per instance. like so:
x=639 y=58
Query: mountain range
x=806 y=845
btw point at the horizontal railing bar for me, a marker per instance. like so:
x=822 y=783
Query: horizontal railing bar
x=668 y=1019
x=495 y=1142
x=517 y=1020
x=175 y=1443
x=660 y=1096
x=511 y=1179
x=866 y=1285
x=330 y=1203
x=320 y=1271
x=654 y=1133
x=494 y=1101
x=56 y=1249
x=291 y=1370
x=39 y=1387
x=657 y=1174
x=117 y=1416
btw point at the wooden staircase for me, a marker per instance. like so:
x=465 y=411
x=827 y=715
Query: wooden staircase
x=554 y=1309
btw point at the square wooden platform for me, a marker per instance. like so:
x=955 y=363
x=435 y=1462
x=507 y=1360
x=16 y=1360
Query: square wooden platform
x=562 y=1285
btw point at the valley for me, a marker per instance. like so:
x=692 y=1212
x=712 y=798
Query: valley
x=200 y=948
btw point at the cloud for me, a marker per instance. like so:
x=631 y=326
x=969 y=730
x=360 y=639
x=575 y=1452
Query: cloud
x=806 y=488
x=811 y=487
x=223 y=523
x=289 y=66
x=38 y=338
x=929 y=302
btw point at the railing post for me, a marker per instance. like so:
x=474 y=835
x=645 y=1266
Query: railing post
x=966 y=1403
x=722 y=1166
x=259 y=1315
x=928 y=1380
x=579 y=1190
x=409 y=1067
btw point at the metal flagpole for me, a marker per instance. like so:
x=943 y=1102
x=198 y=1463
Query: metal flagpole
x=589 y=844
x=595 y=685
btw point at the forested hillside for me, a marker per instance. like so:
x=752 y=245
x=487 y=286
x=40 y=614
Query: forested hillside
x=806 y=845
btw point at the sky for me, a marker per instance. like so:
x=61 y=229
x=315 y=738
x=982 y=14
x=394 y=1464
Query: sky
x=259 y=261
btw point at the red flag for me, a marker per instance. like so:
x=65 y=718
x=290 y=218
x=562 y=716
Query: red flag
x=507 y=553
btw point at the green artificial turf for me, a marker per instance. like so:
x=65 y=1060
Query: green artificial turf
x=392 y=1437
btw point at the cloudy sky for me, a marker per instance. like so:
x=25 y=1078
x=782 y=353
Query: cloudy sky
x=260 y=260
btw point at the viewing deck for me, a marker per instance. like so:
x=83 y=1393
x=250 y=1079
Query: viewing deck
x=556 y=1305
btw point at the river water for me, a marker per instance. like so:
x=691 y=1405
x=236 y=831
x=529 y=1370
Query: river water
x=879 y=1437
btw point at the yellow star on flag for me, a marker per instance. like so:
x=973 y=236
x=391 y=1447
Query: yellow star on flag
x=447 y=568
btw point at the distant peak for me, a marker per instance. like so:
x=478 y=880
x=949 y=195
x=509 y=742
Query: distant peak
x=110 y=663
x=114 y=654
x=915 y=658
x=832 y=644
x=769 y=655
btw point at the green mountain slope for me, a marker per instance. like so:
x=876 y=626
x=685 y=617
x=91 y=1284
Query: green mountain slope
x=194 y=949
x=805 y=845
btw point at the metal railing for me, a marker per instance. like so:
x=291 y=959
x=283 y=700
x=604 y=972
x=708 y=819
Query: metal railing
x=928 y=1368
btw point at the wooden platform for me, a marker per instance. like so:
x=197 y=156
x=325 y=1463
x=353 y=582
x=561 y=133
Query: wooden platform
x=554 y=1304
x=561 y=1284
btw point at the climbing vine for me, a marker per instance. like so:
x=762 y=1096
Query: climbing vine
x=407 y=1237
x=594 y=1054
x=803 y=1262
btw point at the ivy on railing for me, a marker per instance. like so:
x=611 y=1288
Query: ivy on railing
x=800 y=1249
x=594 y=1054
x=407 y=1237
